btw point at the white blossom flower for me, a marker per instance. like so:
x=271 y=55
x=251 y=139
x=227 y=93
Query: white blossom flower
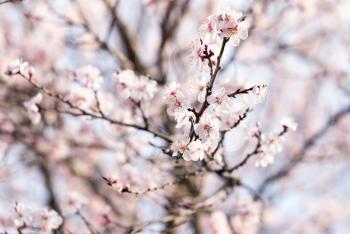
x=81 y=97
x=126 y=79
x=43 y=219
x=180 y=145
x=195 y=151
x=74 y=203
x=199 y=89
x=33 y=108
x=265 y=159
x=49 y=220
x=207 y=31
x=136 y=87
x=228 y=112
x=145 y=89
x=89 y=77
x=270 y=147
x=17 y=66
x=172 y=92
x=225 y=24
x=175 y=100
x=183 y=118
x=208 y=127
x=217 y=96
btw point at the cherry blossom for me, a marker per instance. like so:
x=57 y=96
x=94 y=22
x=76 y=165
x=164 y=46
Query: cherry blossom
x=208 y=127
x=32 y=107
x=156 y=135
x=89 y=77
x=271 y=146
x=41 y=219
x=49 y=220
x=195 y=151
x=180 y=145
x=135 y=87
x=227 y=23
x=184 y=118
x=74 y=203
x=199 y=89
x=175 y=100
x=23 y=214
x=17 y=66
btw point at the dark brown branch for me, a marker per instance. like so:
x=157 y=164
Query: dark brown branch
x=241 y=91
x=248 y=156
x=212 y=79
x=82 y=112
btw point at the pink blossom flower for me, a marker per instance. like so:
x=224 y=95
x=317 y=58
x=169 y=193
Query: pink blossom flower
x=18 y=66
x=183 y=118
x=270 y=147
x=217 y=96
x=23 y=214
x=74 y=203
x=207 y=30
x=136 y=87
x=225 y=24
x=175 y=100
x=49 y=220
x=33 y=108
x=208 y=127
x=195 y=151
x=89 y=77
x=180 y=145
x=199 y=89
x=43 y=219
x=229 y=23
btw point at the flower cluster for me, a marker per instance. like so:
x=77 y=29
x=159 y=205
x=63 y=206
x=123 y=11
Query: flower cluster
x=271 y=145
x=32 y=107
x=218 y=113
x=221 y=115
x=40 y=220
x=178 y=106
x=225 y=24
x=136 y=87
x=74 y=203
x=89 y=77
x=21 y=67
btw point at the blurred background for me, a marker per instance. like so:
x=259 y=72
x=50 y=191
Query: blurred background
x=300 y=49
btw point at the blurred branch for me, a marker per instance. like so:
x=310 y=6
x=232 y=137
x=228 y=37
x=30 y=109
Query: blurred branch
x=168 y=29
x=82 y=112
x=10 y=1
x=178 y=218
x=124 y=61
x=125 y=38
x=308 y=143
